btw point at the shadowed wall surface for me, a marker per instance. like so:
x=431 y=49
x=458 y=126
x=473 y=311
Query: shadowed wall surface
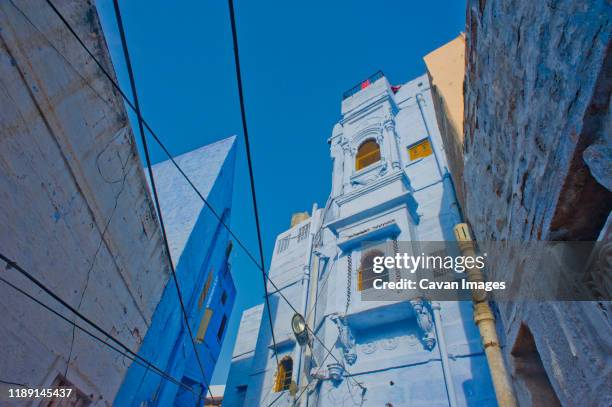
x=74 y=204
x=537 y=167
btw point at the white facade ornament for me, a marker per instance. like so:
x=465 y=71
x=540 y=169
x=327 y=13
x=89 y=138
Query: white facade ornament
x=346 y=338
x=425 y=322
x=368 y=348
x=388 y=343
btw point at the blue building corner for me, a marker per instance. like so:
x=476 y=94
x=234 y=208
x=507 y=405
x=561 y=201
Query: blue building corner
x=200 y=248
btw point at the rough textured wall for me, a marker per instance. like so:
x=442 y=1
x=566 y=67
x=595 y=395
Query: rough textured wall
x=74 y=207
x=537 y=157
x=537 y=99
x=446 y=71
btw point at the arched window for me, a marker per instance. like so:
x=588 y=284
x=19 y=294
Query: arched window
x=283 y=374
x=366 y=276
x=367 y=154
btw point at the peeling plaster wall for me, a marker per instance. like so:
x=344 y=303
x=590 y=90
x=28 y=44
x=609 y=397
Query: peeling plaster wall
x=74 y=207
x=537 y=167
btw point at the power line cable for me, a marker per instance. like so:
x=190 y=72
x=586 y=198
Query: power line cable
x=13 y=265
x=146 y=125
x=13 y=383
x=156 y=138
x=94 y=336
x=143 y=138
x=250 y=165
x=308 y=384
x=166 y=151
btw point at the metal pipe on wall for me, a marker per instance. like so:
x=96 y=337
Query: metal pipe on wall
x=485 y=320
x=306 y=279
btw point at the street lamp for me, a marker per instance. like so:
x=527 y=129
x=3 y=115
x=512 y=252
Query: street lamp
x=298 y=325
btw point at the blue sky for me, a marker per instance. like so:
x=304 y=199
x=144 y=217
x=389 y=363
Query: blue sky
x=297 y=58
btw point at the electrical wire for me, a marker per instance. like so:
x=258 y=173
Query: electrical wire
x=249 y=160
x=77 y=326
x=171 y=158
x=250 y=165
x=127 y=100
x=126 y=350
x=143 y=138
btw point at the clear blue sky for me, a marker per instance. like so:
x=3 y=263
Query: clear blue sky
x=297 y=59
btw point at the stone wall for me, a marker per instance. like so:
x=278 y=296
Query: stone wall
x=74 y=206
x=537 y=167
x=536 y=111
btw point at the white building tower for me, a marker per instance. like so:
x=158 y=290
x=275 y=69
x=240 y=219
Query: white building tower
x=390 y=184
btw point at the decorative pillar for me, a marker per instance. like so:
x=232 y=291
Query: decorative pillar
x=338 y=173
x=347 y=169
x=392 y=143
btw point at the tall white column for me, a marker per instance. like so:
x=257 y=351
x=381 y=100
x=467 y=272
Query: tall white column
x=337 y=175
x=392 y=143
x=347 y=166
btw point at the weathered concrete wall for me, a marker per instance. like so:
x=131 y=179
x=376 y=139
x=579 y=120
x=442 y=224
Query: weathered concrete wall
x=446 y=71
x=74 y=206
x=537 y=167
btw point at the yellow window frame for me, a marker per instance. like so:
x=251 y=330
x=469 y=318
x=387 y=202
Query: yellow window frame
x=282 y=381
x=205 y=289
x=421 y=149
x=365 y=159
x=204 y=322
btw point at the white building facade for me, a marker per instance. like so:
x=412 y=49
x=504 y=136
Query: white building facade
x=390 y=184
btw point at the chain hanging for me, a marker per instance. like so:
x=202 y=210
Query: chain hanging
x=398 y=274
x=349 y=277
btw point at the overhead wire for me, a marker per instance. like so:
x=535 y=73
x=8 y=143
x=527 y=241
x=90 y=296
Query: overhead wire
x=171 y=158
x=143 y=139
x=129 y=102
x=12 y=264
x=245 y=132
x=126 y=350
x=77 y=326
x=250 y=165
x=244 y=124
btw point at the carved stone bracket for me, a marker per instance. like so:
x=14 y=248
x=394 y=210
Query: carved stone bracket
x=346 y=339
x=425 y=322
x=346 y=146
x=389 y=125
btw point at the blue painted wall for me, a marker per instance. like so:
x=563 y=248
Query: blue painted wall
x=199 y=248
x=391 y=347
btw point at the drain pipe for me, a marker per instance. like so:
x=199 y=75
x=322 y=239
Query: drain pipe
x=306 y=281
x=485 y=320
x=448 y=378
